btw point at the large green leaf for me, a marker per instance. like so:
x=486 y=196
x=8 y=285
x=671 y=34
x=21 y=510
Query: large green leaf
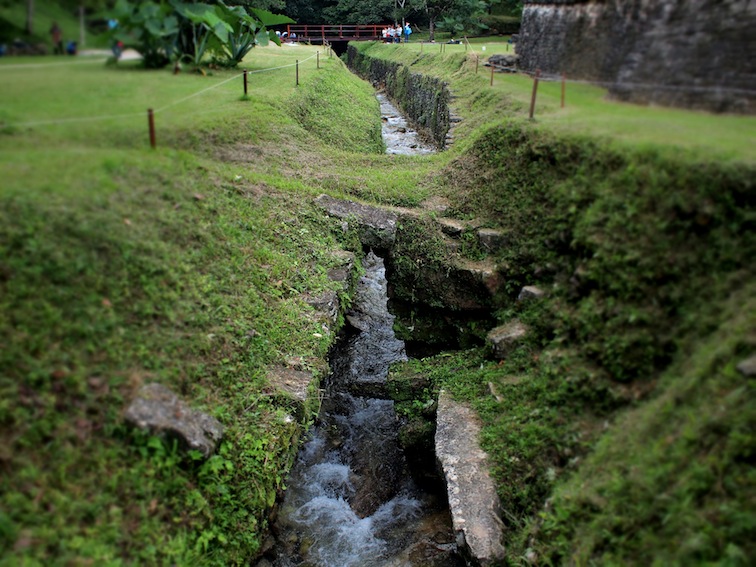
x=270 y=19
x=261 y=37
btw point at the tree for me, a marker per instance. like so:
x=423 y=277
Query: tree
x=307 y=11
x=434 y=9
x=464 y=16
x=268 y=5
x=506 y=7
x=30 y=17
x=360 y=12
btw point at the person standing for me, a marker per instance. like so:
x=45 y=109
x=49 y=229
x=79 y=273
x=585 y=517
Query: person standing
x=407 y=32
x=56 y=34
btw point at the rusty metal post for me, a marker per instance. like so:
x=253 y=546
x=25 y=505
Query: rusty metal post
x=477 y=61
x=245 y=82
x=564 y=81
x=297 y=72
x=151 y=123
x=317 y=58
x=492 y=71
x=535 y=91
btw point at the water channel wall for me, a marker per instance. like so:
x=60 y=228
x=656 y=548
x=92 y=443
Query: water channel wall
x=687 y=53
x=423 y=99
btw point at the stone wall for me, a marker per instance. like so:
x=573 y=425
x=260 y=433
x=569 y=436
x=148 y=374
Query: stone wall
x=423 y=99
x=689 y=53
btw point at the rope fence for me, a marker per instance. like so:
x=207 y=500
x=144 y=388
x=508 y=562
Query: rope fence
x=538 y=76
x=152 y=112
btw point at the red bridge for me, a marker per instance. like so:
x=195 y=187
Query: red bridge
x=329 y=33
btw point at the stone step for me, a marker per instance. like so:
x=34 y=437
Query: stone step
x=473 y=501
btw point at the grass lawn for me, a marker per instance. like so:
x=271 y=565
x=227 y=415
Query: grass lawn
x=188 y=265
x=588 y=111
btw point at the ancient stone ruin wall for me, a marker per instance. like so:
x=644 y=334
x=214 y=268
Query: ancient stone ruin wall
x=689 y=53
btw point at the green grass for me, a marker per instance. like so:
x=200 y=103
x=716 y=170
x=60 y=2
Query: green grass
x=190 y=265
x=619 y=431
x=187 y=265
x=587 y=112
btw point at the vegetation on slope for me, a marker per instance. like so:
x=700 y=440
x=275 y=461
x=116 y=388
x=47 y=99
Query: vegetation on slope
x=619 y=433
x=119 y=266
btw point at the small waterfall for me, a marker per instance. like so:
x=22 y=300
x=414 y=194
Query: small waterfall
x=350 y=500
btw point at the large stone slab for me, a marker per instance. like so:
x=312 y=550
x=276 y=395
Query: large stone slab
x=472 y=495
x=157 y=409
x=377 y=226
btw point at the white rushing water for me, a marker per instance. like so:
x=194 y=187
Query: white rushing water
x=350 y=501
x=318 y=503
x=398 y=135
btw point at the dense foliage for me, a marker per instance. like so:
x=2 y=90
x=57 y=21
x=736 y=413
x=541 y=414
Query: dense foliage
x=175 y=31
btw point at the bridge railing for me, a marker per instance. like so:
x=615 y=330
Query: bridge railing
x=350 y=32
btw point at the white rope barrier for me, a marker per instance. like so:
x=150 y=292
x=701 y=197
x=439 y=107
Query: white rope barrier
x=174 y=103
x=141 y=114
x=56 y=64
x=551 y=77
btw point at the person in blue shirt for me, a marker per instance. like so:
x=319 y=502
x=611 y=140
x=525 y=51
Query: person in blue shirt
x=407 y=32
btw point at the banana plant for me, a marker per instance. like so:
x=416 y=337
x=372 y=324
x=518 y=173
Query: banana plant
x=248 y=30
x=151 y=28
x=205 y=27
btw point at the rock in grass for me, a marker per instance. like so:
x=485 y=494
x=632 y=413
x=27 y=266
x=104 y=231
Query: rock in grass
x=377 y=226
x=747 y=367
x=505 y=338
x=491 y=240
x=158 y=410
x=530 y=292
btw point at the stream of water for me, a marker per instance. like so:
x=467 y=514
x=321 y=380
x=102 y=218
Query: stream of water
x=398 y=135
x=350 y=499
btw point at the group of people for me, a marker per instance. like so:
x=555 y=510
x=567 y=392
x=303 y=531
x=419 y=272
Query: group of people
x=394 y=34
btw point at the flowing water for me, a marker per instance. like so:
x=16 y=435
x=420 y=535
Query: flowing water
x=350 y=499
x=398 y=135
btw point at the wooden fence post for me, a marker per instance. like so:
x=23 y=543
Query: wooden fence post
x=492 y=71
x=564 y=81
x=535 y=91
x=151 y=124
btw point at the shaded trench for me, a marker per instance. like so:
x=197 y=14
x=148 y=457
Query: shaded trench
x=352 y=499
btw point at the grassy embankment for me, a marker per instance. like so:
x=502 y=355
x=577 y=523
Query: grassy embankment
x=188 y=265
x=619 y=431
